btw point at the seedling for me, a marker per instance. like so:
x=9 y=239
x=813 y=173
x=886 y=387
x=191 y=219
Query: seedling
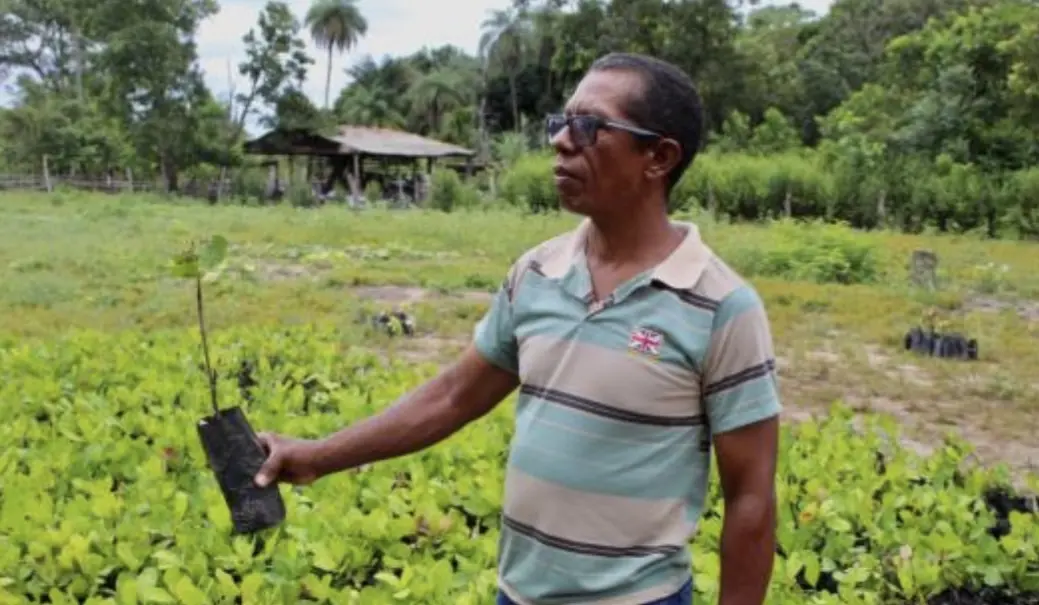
x=232 y=449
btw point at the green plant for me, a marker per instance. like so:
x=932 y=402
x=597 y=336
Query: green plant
x=373 y=192
x=449 y=192
x=232 y=448
x=196 y=265
x=529 y=183
x=810 y=251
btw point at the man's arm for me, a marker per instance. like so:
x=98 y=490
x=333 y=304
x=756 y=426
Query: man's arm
x=742 y=400
x=460 y=394
x=746 y=465
x=484 y=375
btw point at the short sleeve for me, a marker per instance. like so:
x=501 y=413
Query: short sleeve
x=740 y=382
x=495 y=336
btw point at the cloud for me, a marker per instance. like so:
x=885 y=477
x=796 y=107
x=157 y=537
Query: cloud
x=395 y=27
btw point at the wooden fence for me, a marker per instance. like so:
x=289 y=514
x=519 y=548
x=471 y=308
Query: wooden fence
x=36 y=182
x=195 y=189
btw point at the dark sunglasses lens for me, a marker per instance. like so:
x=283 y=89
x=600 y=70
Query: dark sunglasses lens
x=554 y=124
x=583 y=129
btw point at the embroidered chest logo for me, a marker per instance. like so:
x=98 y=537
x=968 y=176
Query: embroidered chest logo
x=646 y=341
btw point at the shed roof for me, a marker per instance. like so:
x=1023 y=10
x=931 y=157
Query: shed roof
x=350 y=140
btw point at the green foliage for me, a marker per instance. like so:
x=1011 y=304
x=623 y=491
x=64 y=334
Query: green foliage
x=1021 y=200
x=373 y=192
x=809 y=251
x=753 y=187
x=196 y=264
x=848 y=182
x=529 y=184
x=98 y=443
x=448 y=192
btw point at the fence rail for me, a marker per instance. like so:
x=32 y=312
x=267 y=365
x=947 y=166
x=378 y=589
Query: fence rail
x=24 y=182
x=193 y=188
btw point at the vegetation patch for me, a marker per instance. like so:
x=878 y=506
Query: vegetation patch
x=106 y=496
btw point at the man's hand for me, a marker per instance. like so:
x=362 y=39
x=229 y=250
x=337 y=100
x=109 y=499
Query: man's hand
x=463 y=392
x=747 y=469
x=288 y=460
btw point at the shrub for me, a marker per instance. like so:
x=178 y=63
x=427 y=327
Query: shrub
x=448 y=192
x=1020 y=196
x=373 y=192
x=812 y=251
x=529 y=183
x=751 y=187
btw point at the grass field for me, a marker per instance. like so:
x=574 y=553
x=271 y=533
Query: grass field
x=80 y=262
x=85 y=295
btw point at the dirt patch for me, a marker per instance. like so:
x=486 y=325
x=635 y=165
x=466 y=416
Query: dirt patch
x=411 y=294
x=431 y=349
x=872 y=380
x=1026 y=309
x=394 y=294
x=427 y=349
x=269 y=271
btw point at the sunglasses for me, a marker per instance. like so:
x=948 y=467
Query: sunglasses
x=584 y=129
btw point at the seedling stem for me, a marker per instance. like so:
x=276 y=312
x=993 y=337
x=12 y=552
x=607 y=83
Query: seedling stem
x=192 y=264
x=210 y=373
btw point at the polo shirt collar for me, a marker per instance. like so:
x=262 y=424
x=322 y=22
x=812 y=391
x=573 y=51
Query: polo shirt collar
x=681 y=270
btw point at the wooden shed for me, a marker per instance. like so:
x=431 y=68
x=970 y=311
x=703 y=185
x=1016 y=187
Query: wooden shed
x=359 y=148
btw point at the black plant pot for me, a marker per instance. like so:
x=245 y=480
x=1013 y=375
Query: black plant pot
x=235 y=455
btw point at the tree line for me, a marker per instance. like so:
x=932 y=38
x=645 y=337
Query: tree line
x=910 y=113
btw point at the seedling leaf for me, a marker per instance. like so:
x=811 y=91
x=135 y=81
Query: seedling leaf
x=213 y=253
x=185 y=265
x=194 y=263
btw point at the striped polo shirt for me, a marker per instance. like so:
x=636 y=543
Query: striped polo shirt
x=608 y=467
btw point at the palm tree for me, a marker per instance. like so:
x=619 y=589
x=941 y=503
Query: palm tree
x=505 y=46
x=335 y=25
x=366 y=106
x=437 y=93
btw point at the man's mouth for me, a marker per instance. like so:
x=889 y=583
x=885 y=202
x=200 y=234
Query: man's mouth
x=563 y=173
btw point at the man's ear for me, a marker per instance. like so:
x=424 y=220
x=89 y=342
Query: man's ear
x=663 y=156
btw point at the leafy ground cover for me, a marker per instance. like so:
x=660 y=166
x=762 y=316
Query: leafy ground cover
x=105 y=494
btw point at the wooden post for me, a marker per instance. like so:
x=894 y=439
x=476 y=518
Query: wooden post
x=923 y=269
x=47 y=175
x=355 y=178
x=882 y=209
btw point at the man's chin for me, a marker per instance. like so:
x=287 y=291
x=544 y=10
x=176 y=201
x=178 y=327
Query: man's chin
x=573 y=204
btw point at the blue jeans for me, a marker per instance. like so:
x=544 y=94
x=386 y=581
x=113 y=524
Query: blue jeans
x=684 y=596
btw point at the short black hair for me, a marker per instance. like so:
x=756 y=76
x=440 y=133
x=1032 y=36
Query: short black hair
x=669 y=103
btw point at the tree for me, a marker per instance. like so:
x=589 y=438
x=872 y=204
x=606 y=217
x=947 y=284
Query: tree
x=505 y=46
x=276 y=59
x=335 y=25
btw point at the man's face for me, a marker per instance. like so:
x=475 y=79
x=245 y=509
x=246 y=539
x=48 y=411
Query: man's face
x=592 y=179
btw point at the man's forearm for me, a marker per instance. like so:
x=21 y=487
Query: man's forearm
x=748 y=546
x=420 y=419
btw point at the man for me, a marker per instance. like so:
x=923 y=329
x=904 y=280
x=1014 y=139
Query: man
x=635 y=349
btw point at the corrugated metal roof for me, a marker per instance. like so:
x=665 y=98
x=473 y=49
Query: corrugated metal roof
x=386 y=141
x=355 y=139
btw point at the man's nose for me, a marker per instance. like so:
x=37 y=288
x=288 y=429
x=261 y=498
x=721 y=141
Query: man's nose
x=562 y=142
